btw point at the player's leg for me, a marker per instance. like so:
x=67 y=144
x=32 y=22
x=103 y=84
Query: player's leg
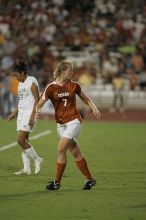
x=66 y=132
x=60 y=164
x=25 y=129
x=28 y=149
x=61 y=153
x=81 y=162
x=82 y=166
x=114 y=104
x=26 y=160
x=22 y=139
x=121 y=98
x=61 y=157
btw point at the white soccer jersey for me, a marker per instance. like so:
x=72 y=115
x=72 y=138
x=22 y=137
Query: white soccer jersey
x=26 y=99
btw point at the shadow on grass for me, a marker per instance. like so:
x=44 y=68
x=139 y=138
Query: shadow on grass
x=137 y=206
x=19 y=195
x=33 y=195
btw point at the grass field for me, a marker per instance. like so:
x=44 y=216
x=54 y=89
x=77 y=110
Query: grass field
x=116 y=154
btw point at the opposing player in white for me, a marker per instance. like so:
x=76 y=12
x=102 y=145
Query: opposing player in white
x=28 y=92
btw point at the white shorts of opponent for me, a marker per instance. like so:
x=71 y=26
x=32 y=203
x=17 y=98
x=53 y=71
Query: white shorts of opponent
x=23 y=122
x=69 y=130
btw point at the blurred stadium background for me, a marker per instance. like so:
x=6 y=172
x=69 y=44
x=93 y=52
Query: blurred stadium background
x=102 y=38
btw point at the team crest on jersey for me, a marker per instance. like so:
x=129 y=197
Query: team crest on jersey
x=22 y=90
x=63 y=94
x=22 y=93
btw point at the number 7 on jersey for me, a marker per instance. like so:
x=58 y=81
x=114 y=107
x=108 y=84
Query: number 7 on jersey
x=65 y=101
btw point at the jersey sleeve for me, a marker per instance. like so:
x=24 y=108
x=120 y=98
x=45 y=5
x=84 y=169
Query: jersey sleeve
x=34 y=80
x=31 y=81
x=78 y=88
x=36 y=83
x=45 y=94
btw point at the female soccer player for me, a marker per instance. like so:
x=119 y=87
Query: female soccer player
x=28 y=93
x=62 y=93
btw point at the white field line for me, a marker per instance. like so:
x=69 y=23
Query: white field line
x=37 y=136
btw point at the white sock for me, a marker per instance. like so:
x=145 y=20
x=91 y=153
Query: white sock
x=32 y=153
x=26 y=161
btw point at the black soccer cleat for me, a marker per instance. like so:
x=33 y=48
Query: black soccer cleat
x=89 y=183
x=53 y=185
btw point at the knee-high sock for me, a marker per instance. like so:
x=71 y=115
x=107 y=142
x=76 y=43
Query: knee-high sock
x=31 y=153
x=59 y=171
x=26 y=161
x=83 y=167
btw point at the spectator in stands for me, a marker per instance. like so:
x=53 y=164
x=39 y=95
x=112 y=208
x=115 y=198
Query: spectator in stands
x=87 y=75
x=133 y=79
x=118 y=89
x=109 y=68
x=52 y=27
x=137 y=62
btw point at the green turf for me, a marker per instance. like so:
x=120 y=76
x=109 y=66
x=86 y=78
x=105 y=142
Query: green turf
x=116 y=154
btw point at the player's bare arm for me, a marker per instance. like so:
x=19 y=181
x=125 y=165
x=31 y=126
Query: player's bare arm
x=39 y=105
x=35 y=93
x=89 y=102
x=13 y=115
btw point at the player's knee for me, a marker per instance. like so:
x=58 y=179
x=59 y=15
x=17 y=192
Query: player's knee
x=20 y=141
x=61 y=151
x=76 y=154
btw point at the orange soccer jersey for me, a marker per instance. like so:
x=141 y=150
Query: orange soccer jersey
x=64 y=100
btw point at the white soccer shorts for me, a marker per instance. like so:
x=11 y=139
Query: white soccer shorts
x=23 y=123
x=70 y=129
